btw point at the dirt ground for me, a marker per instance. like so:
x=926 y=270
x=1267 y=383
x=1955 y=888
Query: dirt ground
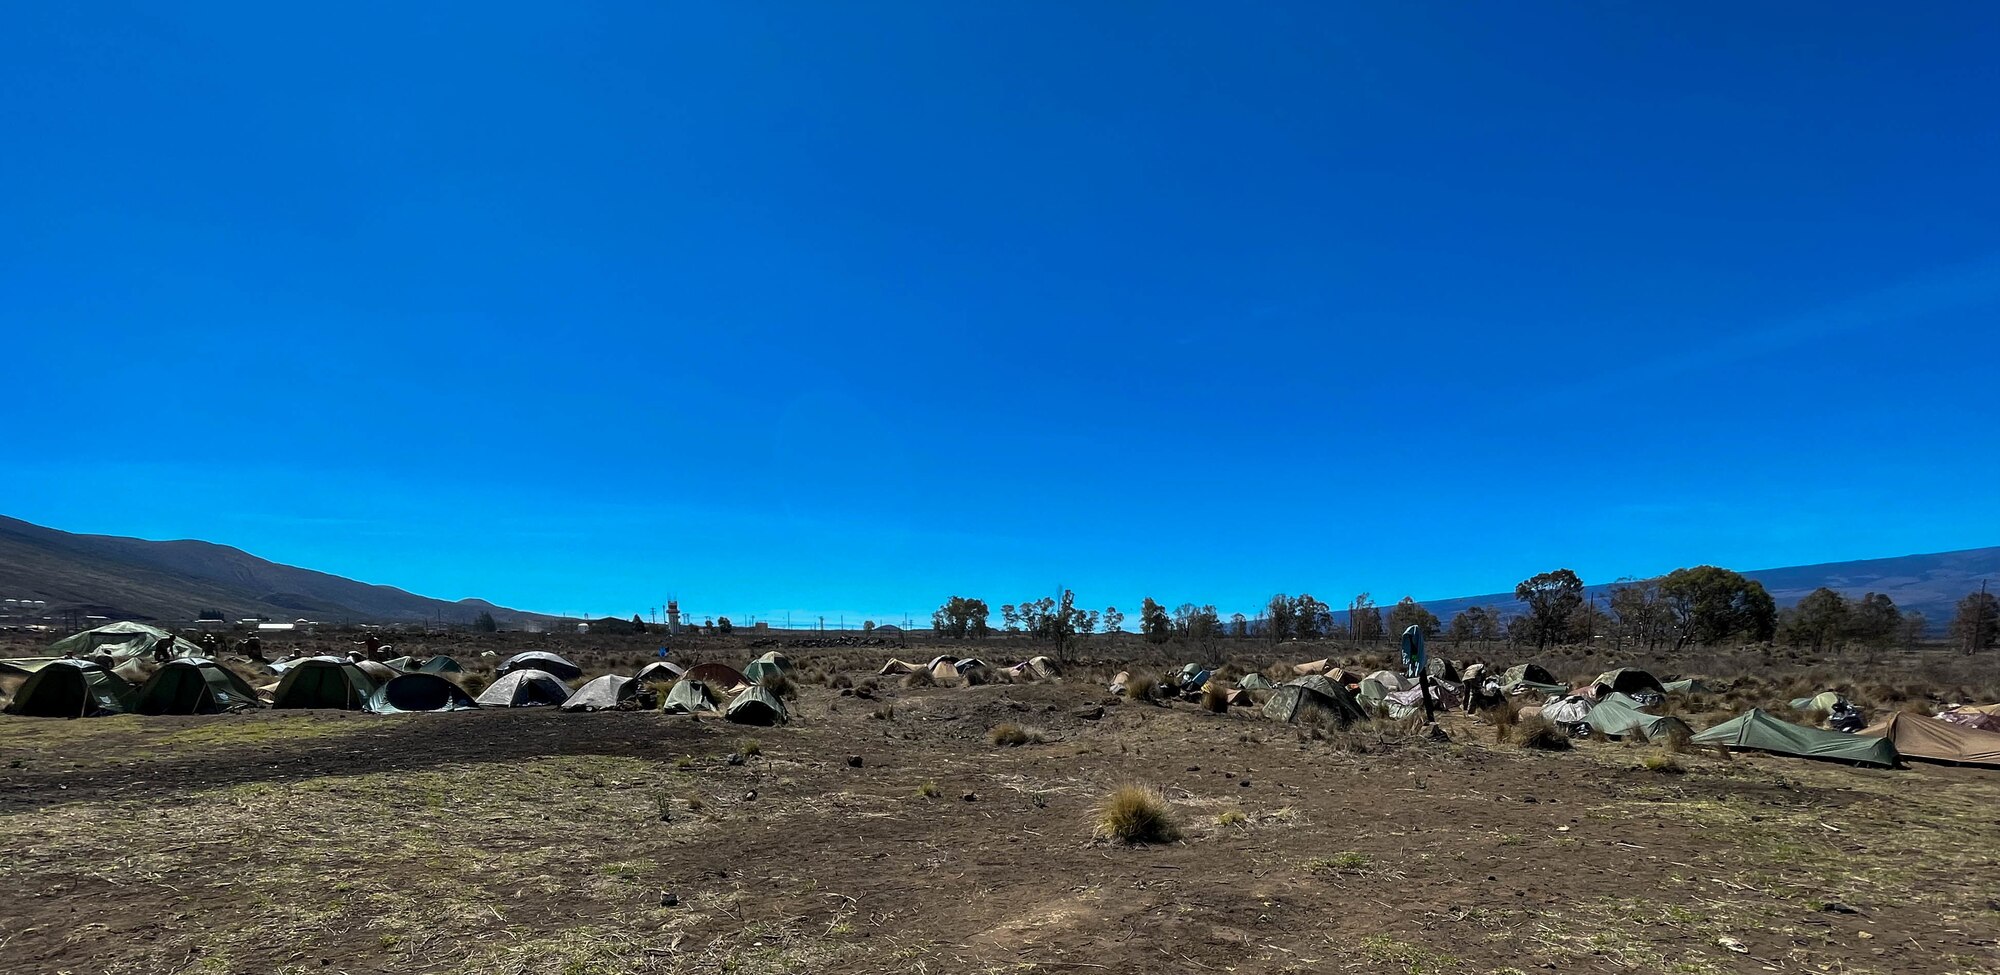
x=531 y=841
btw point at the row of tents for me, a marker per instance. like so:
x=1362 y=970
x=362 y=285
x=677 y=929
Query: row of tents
x=68 y=688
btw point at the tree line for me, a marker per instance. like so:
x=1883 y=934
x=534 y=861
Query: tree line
x=1700 y=605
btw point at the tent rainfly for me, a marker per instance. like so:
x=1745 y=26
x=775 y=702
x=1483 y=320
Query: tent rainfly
x=1627 y=680
x=603 y=694
x=524 y=689
x=1309 y=697
x=1255 y=682
x=1618 y=716
x=690 y=697
x=660 y=672
x=323 y=682
x=72 y=689
x=192 y=685
x=542 y=660
x=1757 y=731
x=755 y=705
x=119 y=640
x=419 y=692
x=770 y=664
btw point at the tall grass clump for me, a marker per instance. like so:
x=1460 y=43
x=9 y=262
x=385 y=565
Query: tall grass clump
x=1135 y=814
x=1540 y=734
x=1214 y=698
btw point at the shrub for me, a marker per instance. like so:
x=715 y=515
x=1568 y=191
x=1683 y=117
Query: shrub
x=1142 y=688
x=1663 y=763
x=1012 y=735
x=1137 y=814
x=750 y=748
x=779 y=685
x=928 y=790
x=920 y=678
x=1214 y=698
x=1232 y=817
x=1541 y=734
x=976 y=676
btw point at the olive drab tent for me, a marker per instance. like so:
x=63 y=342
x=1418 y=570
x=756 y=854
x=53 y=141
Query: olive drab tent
x=119 y=640
x=770 y=664
x=441 y=664
x=192 y=685
x=721 y=675
x=379 y=673
x=1627 y=680
x=541 y=660
x=524 y=689
x=1823 y=701
x=1757 y=731
x=323 y=682
x=755 y=705
x=1312 y=697
x=605 y=693
x=1531 y=677
x=660 y=671
x=1690 y=685
x=690 y=697
x=419 y=692
x=1255 y=682
x=72 y=689
x=1618 y=715
x=1916 y=736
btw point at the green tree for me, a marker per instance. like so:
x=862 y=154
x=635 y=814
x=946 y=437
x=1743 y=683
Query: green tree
x=638 y=624
x=1408 y=612
x=1311 y=619
x=1278 y=619
x=1364 y=619
x=1642 y=620
x=1977 y=624
x=1914 y=628
x=723 y=626
x=1114 y=621
x=960 y=618
x=1818 y=620
x=1474 y=624
x=1552 y=599
x=1239 y=625
x=484 y=623
x=1010 y=617
x=1710 y=605
x=1875 y=622
x=1154 y=622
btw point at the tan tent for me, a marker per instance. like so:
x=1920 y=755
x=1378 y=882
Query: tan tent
x=1310 y=667
x=1916 y=736
x=944 y=671
x=895 y=666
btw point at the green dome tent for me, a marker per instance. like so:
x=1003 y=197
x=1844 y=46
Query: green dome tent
x=603 y=694
x=756 y=705
x=1823 y=701
x=660 y=672
x=72 y=689
x=690 y=697
x=120 y=640
x=1618 y=715
x=194 y=686
x=770 y=664
x=419 y=692
x=323 y=682
x=1255 y=682
x=1691 y=685
x=441 y=664
x=1627 y=680
x=543 y=661
x=1757 y=731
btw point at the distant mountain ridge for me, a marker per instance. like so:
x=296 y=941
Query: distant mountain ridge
x=132 y=578
x=1929 y=584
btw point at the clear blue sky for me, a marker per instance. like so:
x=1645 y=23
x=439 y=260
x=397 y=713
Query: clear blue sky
x=851 y=307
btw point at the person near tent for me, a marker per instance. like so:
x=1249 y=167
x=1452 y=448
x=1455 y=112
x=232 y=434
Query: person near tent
x=208 y=645
x=1413 y=651
x=253 y=647
x=163 y=651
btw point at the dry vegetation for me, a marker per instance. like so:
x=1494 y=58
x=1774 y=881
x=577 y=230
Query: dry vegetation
x=991 y=827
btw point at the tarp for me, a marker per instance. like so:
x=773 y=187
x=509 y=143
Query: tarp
x=72 y=689
x=1916 y=736
x=1569 y=710
x=660 y=671
x=524 y=689
x=1628 y=680
x=1390 y=680
x=192 y=685
x=377 y=671
x=1758 y=731
x=755 y=705
x=1618 y=715
x=120 y=640
x=1320 y=666
x=1444 y=697
x=603 y=694
x=25 y=665
x=323 y=682
x=721 y=675
x=1310 y=697
x=690 y=697
x=419 y=692
x=542 y=660
x=1971 y=718
x=895 y=666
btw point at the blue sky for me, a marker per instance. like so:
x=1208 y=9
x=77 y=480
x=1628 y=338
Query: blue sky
x=852 y=307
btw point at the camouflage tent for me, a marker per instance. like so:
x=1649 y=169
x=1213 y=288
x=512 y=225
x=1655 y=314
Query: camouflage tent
x=1312 y=697
x=72 y=689
x=194 y=686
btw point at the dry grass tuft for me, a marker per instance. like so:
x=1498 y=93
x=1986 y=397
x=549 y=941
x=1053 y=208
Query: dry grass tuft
x=919 y=678
x=1013 y=735
x=780 y=686
x=1664 y=763
x=1540 y=734
x=1136 y=814
x=1214 y=698
x=1142 y=688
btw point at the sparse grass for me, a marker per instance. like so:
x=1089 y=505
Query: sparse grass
x=1013 y=735
x=1136 y=814
x=928 y=790
x=1540 y=734
x=684 y=762
x=1232 y=817
x=1664 y=763
x=1346 y=861
x=749 y=748
x=780 y=685
x=920 y=678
